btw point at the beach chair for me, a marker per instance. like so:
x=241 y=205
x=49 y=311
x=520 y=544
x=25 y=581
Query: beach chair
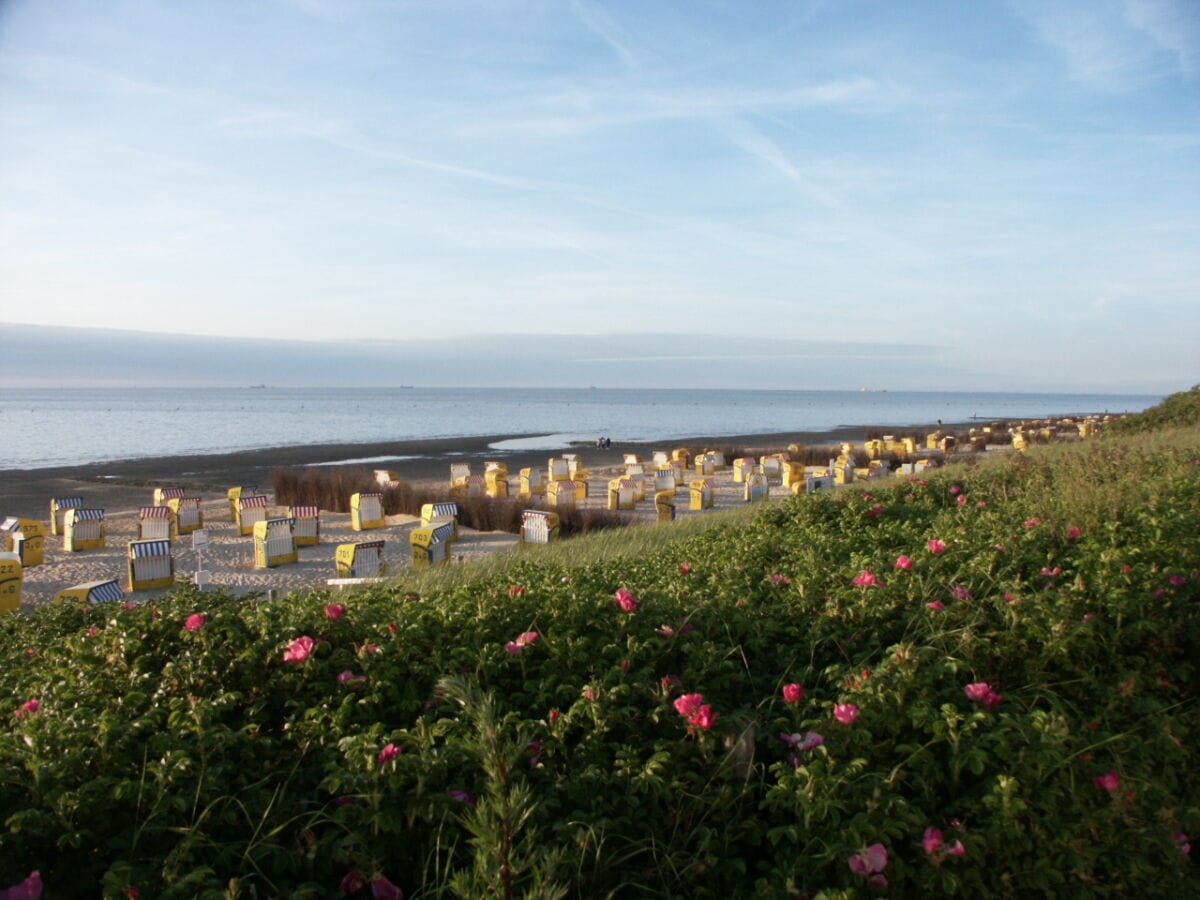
x=660 y=458
x=274 y=543
x=1019 y=442
x=83 y=529
x=107 y=591
x=251 y=509
x=307 y=529
x=366 y=511
x=560 y=494
x=757 y=488
x=12 y=573
x=162 y=495
x=473 y=486
x=235 y=494
x=150 y=565
x=187 y=514
x=718 y=460
x=575 y=467
x=630 y=459
x=843 y=470
x=58 y=508
x=361 y=560
x=679 y=467
x=664 y=480
x=581 y=490
x=706 y=465
x=386 y=477
x=701 y=494
x=431 y=546
x=533 y=481
x=772 y=467
x=501 y=468
x=622 y=494
x=538 y=526
x=558 y=469
x=682 y=455
x=635 y=469
x=433 y=514
x=496 y=484
x=820 y=481
x=664 y=505
x=154 y=523
x=742 y=468
x=24 y=537
x=793 y=474
x=459 y=472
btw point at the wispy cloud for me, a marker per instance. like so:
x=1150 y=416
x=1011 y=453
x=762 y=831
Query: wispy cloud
x=600 y=23
x=1174 y=25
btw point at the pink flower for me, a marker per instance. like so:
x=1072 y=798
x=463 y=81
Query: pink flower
x=1182 y=842
x=368 y=648
x=685 y=569
x=1177 y=580
x=1073 y=533
x=352 y=882
x=93 y=631
x=962 y=500
x=936 y=605
x=625 y=600
x=781 y=580
x=688 y=704
x=1109 y=781
x=335 y=610
x=961 y=593
x=866 y=579
x=956 y=849
x=1032 y=523
x=981 y=692
x=845 y=713
x=665 y=631
x=524 y=639
x=349 y=677
x=1046 y=570
x=811 y=739
x=936 y=546
x=793 y=693
x=388 y=753
x=460 y=796
x=516 y=591
x=875 y=511
x=904 y=562
x=872 y=860
x=932 y=841
x=955 y=490
x=195 y=622
x=553 y=715
x=298 y=650
x=28 y=708
x=704 y=717
x=382 y=889
x=29 y=889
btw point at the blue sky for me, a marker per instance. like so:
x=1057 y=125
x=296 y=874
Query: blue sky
x=971 y=194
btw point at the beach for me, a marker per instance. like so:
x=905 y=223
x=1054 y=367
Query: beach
x=122 y=488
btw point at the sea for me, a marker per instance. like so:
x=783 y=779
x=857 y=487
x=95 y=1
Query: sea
x=53 y=427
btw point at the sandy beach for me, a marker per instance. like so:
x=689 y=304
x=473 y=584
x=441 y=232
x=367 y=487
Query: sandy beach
x=121 y=488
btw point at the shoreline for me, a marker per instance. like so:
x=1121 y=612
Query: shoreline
x=126 y=484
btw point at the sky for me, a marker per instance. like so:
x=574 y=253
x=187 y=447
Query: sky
x=804 y=194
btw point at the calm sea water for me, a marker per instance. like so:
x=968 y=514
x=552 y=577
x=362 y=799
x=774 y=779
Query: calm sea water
x=60 y=427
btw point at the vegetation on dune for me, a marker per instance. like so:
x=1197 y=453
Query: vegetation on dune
x=1179 y=410
x=983 y=683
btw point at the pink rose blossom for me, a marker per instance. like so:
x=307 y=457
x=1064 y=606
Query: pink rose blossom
x=195 y=622
x=516 y=591
x=687 y=704
x=956 y=849
x=904 y=562
x=93 y=631
x=870 y=861
x=955 y=490
x=1182 y=842
x=1177 y=580
x=977 y=691
x=335 y=610
x=28 y=708
x=1046 y=570
x=936 y=605
x=349 y=677
x=962 y=500
x=1109 y=781
x=625 y=600
x=936 y=546
x=1073 y=533
x=932 y=840
x=368 y=648
x=961 y=593
x=781 y=580
x=524 y=639
x=685 y=569
x=388 y=753
x=382 y=889
x=29 y=889
x=298 y=650
x=793 y=693
x=704 y=717
x=352 y=882
x=875 y=511
x=845 y=713
x=866 y=579
x=1032 y=523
